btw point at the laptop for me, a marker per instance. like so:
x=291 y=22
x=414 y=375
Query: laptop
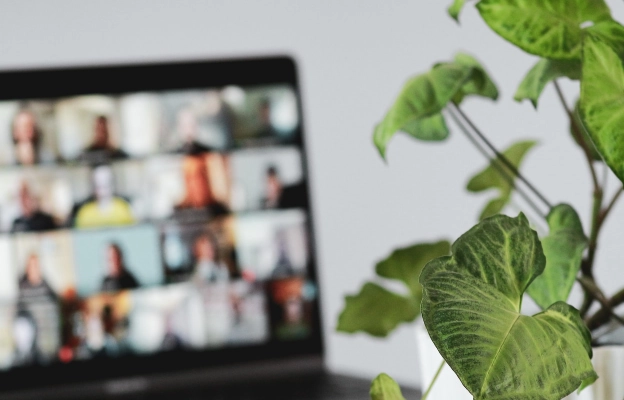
x=156 y=235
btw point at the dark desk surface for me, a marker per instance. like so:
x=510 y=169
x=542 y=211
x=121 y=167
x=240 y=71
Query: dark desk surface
x=320 y=386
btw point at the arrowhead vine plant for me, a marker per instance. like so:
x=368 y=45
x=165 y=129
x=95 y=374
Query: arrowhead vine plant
x=470 y=293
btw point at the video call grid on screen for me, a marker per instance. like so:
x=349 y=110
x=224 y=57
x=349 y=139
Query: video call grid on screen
x=149 y=222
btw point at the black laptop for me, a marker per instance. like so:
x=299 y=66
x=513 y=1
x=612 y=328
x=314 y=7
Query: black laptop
x=156 y=235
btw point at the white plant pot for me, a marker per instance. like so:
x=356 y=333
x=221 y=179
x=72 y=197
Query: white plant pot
x=608 y=362
x=447 y=386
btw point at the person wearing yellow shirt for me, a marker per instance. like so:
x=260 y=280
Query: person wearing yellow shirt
x=106 y=209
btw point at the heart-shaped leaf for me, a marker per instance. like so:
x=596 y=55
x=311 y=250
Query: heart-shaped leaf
x=492 y=178
x=423 y=96
x=455 y=8
x=547 y=28
x=384 y=387
x=429 y=129
x=406 y=264
x=417 y=110
x=471 y=308
x=602 y=102
x=378 y=311
x=544 y=72
x=610 y=32
x=563 y=248
x=480 y=83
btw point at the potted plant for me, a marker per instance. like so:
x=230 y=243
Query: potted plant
x=470 y=293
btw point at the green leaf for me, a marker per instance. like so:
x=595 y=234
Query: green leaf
x=376 y=311
x=610 y=32
x=423 y=96
x=563 y=248
x=407 y=263
x=455 y=8
x=602 y=102
x=417 y=110
x=491 y=178
x=544 y=72
x=546 y=28
x=385 y=388
x=583 y=133
x=471 y=309
x=431 y=128
x=480 y=83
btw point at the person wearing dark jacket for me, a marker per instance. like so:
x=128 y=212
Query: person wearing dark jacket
x=32 y=219
x=118 y=277
x=101 y=149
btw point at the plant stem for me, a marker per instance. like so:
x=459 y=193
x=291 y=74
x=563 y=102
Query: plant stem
x=501 y=157
x=599 y=216
x=602 y=316
x=499 y=168
x=590 y=286
x=607 y=210
x=576 y=131
x=587 y=266
x=435 y=378
x=595 y=230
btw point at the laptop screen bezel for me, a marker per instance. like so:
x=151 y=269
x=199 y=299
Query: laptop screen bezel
x=51 y=83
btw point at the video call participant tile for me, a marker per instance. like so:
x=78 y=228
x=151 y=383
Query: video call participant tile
x=109 y=195
x=272 y=244
x=291 y=302
x=35 y=199
x=189 y=188
x=264 y=115
x=195 y=122
x=116 y=259
x=48 y=258
x=234 y=313
x=268 y=178
x=251 y=319
x=166 y=318
x=201 y=253
x=45 y=279
x=96 y=129
x=27 y=133
x=101 y=326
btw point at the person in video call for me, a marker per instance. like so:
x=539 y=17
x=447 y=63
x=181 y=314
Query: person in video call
x=208 y=264
x=198 y=193
x=31 y=219
x=33 y=288
x=266 y=128
x=38 y=300
x=283 y=266
x=104 y=208
x=278 y=195
x=118 y=277
x=25 y=339
x=188 y=129
x=26 y=138
x=101 y=149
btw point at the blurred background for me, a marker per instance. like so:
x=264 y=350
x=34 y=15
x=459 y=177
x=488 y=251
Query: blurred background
x=353 y=58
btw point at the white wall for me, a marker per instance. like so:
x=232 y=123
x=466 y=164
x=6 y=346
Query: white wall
x=354 y=56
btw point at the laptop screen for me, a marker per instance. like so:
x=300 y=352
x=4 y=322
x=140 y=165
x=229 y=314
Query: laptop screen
x=152 y=218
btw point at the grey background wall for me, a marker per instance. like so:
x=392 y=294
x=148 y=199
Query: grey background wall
x=353 y=57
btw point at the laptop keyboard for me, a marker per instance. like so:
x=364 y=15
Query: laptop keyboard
x=316 y=387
